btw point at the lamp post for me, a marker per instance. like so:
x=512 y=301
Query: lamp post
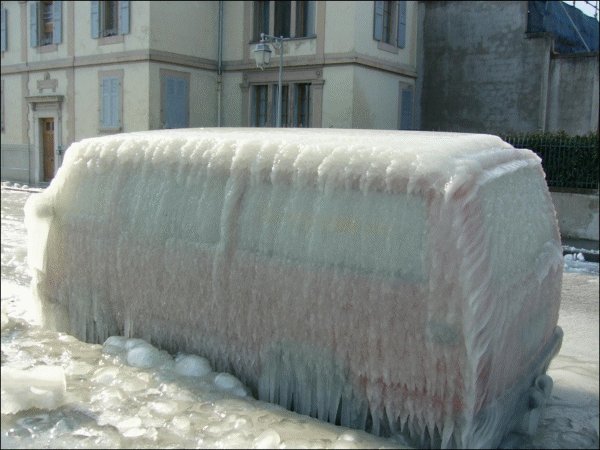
x=262 y=56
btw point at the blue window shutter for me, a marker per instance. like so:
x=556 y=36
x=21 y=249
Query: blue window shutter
x=95 y=19
x=3 y=29
x=57 y=22
x=123 y=17
x=105 y=103
x=110 y=111
x=406 y=109
x=401 y=32
x=33 y=24
x=116 y=98
x=378 y=21
x=170 y=82
x=176 y=107
x=185 y=101
x=181 y=103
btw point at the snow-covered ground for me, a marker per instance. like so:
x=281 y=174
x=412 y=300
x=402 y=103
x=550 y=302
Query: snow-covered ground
x=128 y=394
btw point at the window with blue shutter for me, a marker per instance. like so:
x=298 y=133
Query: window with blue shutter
x=389 y=22
x=45 y=23
x=176 y=102
x=3 y=28
x=406 y=109
x=110 y=103
x=109 y=18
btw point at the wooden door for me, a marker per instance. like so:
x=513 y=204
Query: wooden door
x=48 y=148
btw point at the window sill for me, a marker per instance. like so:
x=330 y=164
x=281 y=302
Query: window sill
x=387 y=47
x=300 y=38
x=108 y=40
x=109 y=129
x=49 y=48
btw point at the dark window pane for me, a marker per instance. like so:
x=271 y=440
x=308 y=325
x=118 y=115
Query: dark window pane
x=47 y=24
x=261 y=19
x=305 y=18
x=387 y=22
x=259 y=101
x=302 y=107
x=109 y=23
x=282 y=18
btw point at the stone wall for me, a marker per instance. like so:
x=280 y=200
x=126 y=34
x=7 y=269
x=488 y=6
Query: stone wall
x=577 y=215
x=482 y=72
x=573 y=94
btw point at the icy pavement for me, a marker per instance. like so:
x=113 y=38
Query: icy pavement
x=119 y=397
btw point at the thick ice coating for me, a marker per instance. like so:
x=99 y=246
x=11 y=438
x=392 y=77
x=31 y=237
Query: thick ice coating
x=398 y=282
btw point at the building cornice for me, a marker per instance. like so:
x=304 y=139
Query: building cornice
x=156 y=56
x=44 y=98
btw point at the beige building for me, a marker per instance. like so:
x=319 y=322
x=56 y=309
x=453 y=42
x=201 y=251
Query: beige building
x=72 y=70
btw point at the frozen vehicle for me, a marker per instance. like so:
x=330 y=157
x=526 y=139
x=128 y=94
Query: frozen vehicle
x=398 y=282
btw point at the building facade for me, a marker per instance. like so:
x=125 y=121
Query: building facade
x=509 y=67
x=73 y=70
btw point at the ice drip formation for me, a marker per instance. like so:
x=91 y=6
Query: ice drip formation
x=398 y=282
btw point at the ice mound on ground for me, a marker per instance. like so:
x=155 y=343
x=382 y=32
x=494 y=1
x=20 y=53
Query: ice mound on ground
x=398 y=282
x=192 y=365
x=42 y=387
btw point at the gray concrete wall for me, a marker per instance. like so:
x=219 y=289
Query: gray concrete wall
x=573 y=94
x=577 y=215
x=482 y=72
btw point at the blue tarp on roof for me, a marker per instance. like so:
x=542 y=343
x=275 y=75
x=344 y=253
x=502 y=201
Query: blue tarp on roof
x=551 y=17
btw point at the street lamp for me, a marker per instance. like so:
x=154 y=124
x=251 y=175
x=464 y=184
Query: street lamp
x=262 y=56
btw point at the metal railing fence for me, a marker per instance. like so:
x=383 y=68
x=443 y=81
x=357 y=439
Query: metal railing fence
x=570 y=162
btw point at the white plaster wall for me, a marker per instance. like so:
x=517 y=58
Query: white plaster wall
x=338 y=97
x=577 y=215
x=203 y=98
x=136 y=105
x=188 y=28
x=232 y=114
x=376 y=99
x=13 y=109
x=137 y=39
x=40 y=54
x=300 y=47
x=87 y=107
x=12 y=55
x=233 y=31
x=14 y=151
x=339 y=26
